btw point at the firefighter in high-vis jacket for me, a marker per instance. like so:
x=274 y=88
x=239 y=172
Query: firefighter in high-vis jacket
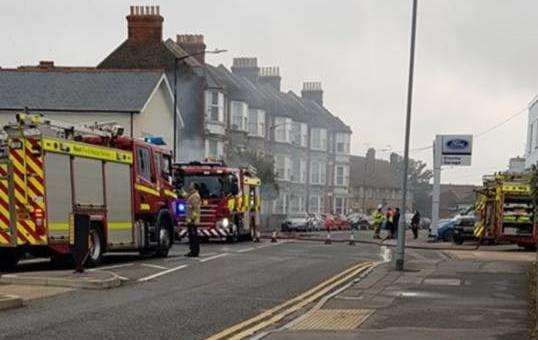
x=377 y=220
x=192 y=219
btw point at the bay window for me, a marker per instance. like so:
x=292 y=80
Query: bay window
x=256 y=122
x=342 y=142
x=214 y=106
x=282 y=128
x=239 y=116
x=318 y=139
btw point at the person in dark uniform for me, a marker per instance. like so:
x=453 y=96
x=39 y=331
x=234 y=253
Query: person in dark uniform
x=192 y=219
x=415 y=223
x=396 y=222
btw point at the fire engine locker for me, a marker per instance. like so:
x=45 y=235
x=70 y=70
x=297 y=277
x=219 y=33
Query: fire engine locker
x=119 y=205
x=88 y=181
x=58 y=193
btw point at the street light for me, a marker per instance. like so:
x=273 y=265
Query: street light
x=400 y=251
x=176 y=60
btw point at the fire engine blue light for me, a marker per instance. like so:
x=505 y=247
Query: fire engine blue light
x=181 y=207
x=155 y=140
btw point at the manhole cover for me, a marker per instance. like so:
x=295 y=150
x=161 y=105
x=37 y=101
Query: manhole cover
x=334 y=319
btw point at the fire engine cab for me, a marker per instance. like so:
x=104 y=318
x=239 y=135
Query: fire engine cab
x=230 y=199
x=51 y=170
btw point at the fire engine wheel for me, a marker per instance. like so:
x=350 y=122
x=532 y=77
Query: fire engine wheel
x=95 y=247
x=165 y=242
x=234 y=236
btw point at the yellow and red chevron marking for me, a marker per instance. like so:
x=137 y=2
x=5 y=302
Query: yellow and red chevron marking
x=29 y=191
x=5 y=237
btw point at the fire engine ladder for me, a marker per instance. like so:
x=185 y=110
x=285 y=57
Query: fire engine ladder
x=68 y=130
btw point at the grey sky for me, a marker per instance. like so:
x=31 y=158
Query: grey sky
x=475 y=65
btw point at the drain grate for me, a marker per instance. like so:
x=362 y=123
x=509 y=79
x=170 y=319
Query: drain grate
x=333 y=319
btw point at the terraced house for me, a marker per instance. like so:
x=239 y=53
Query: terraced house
x=244 y=107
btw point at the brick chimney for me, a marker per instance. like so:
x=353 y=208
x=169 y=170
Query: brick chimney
x=246 y=67
x=312 y=90
x=192 y=44
x=145 y=24
x=271 y=76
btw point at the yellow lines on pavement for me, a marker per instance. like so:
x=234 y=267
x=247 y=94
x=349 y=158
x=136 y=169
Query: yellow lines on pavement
x=276 y=314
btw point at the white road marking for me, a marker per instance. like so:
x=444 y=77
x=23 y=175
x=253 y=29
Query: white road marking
x=112 y=267
x=123 y=278
x=245 y=250
x=150 y=277
x=213 y=257
x=153 y=266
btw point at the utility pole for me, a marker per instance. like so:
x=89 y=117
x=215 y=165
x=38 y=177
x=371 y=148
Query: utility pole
x=400 y=251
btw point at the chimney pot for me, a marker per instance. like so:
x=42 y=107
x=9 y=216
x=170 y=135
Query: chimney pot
x=312 y=90
x=145 y=24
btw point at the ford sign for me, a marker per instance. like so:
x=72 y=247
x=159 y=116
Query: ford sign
x=457 y=144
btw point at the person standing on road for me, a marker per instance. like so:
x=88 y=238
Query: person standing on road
x=194 y=203
x=389 y=225
x=415 y=222
x=396 y=223
x=377 y=221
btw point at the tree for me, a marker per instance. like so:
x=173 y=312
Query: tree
x=418 y=182
x=264 y=165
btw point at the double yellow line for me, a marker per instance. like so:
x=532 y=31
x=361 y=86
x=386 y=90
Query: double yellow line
x=269 y=317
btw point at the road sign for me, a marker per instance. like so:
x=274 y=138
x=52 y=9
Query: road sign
x=456 y=150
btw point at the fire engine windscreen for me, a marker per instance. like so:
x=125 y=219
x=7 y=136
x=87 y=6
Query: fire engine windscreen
x=211 y=186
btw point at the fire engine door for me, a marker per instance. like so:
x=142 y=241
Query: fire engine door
x=147 y=192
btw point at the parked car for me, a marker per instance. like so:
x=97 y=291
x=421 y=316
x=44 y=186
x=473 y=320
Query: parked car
x=341 y=222
x=316 y=221
x=358 y=221
x=445 y=229
x=297 y=223
x=463 y=228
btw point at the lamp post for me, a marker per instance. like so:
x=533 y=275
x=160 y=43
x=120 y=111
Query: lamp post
x=176 y=60
x=401 y=227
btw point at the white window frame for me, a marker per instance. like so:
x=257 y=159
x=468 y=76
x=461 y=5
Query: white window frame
x=239 y=121
x=318 y=139
x=282 y=129
x=342 y=139
x=209 y=96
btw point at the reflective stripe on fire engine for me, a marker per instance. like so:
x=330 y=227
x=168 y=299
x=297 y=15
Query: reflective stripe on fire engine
x=144 y=206
x=86 y=150
x=59 y=226
x=170 y=193
x=119 y=225
x=28 y=182
x=207 y=232
x=146 y=189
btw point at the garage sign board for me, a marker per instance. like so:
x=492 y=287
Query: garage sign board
x=456 y=150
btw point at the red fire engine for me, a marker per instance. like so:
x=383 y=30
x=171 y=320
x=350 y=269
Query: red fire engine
x=230 y=199
x=51 y=170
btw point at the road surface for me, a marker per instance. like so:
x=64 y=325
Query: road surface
x=184 y=298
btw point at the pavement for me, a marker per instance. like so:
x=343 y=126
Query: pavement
x=64 y=278
x=438 y=296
